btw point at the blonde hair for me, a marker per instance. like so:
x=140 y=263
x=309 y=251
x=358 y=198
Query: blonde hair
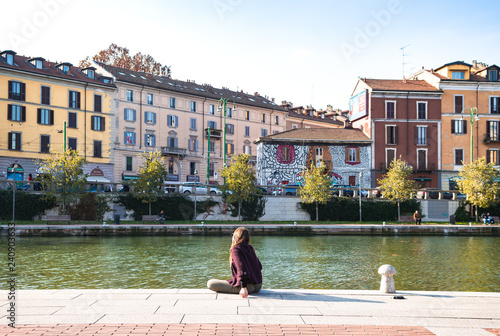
x=240 y=235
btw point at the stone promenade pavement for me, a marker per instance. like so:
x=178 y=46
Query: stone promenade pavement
x=271 y=312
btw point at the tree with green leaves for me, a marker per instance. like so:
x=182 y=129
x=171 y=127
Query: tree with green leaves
x=152 y=174
x=316 y=186
x=479 y=181
x=239 y=181
x=396 y=184
x=64 y=178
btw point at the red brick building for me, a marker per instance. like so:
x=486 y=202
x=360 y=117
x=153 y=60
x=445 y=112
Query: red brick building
x=403 y=119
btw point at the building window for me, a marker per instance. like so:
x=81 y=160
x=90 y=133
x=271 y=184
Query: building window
x=74 y=99
x=97 y=148
x=193 y=123
x=211 y=146
x=493 y=75
x=150 y=117
x=494 y=105
x=390 y=109
x=421 y=159
x=129 y=114
x=72 y=143
x=45 y=116
x=458 y=103
x=172 y=121
x=492 y=130
x=129 y=138
x=459 y=126
x=421 y=135
x=192 y=168
x=129 y=163
x=150 y=140
x=9 y=59
x=44 y=144
x=64 y=69
x=459 y=157
x=352 y=155
x=229 y=112
x=130 y=95
x=211 y=109
x=458 y=75
x=170 y=167
x=193 y=106
x=247 y=149
x=247 y=115
x=212 y=124
x=172 y=102
x=318 y=156
x=91 y=74
x=294 y=126
x=172 y=142
x=277 y=120
x=247 y=131
x=390 y=155
x=97 y=123
x=421 y=110
x=45 y=95
x=229 y=148
x=263 y=132
x=149 y=99
x=492 y=156
x=97 y=103
x=15 y=141
x=17 y=91
x=16 y=113
x=72 y=120
x=229 y=128
x=285 y=154
x=391 y=135
x=211 y=169
x=263 y=117
x=193 y=144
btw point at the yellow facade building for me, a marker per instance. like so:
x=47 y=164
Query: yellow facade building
x=37 y=99
x=467 y=87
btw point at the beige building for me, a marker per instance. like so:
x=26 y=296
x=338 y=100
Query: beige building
x=172 y=116
x=309 y=117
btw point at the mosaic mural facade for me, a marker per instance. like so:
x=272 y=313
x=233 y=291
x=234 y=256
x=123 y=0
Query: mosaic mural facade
x=284 y=163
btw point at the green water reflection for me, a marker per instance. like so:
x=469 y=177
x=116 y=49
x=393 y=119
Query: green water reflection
x=316 y=262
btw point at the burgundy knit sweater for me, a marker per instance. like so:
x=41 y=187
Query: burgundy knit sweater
x=245 y=266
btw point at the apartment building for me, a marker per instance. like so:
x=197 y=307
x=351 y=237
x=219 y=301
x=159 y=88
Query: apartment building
x=466 y=87
x=403 y=119
x=309 y=117
x=37 y=98
x=173 y=116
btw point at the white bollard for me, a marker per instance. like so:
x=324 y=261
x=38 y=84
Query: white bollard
x=387 y=282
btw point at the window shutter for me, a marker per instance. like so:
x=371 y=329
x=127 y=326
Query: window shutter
x=176 y=121
x=395 y=135
x=387 y=136
x=18 y=141
x=488 y=128
x=103 y=123
x=78 y=100
x=9 y=111
x=347 y=154
x=92 y=123
x=488 y=155
x=133 y=138
x=169 y=120
x=453 y=126
x=196 y=145
x=176 y=142
x=134 y=115
x=416 y=135
x=125 y=137
x=10 y=93
x=464 y=126
x=154 y=118
x=358 y=155
x=154 y=140
x=189 y=144
x=51 y=117
x=10 y=138
x=23 y=91
x=39 y=116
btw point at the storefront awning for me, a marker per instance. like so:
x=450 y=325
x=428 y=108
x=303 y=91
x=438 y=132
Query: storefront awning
x=98 y=179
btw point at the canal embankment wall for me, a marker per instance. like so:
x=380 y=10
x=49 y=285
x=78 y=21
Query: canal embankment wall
x=268 y=229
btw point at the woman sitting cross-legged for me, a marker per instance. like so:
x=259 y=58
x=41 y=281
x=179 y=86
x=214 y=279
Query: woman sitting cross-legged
x=245 y=268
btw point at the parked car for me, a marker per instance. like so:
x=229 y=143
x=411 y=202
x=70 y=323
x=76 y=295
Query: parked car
x=187 y=188
x=347 y=190
x=291 y=189
x=433 y=193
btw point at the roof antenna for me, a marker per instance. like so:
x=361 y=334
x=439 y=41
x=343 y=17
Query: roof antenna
x=403 y=50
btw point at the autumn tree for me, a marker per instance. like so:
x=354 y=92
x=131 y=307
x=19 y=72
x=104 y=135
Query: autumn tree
x=152 y=174
x=479 y=181
x=396 y=184
x=316 y=186
x=120 y=57
x=63 y=176
x=239 y=183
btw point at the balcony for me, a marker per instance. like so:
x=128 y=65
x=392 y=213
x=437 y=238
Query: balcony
x=181 y=152
x=488 y=138
x=214 y=133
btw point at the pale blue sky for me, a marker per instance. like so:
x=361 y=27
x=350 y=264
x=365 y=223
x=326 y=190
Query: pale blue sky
x=304 y=52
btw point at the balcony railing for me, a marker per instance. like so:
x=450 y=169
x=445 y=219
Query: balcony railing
x=173 y=151
x=214 y=133
x=491 y=138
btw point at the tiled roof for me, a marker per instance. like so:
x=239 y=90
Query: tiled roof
x=49 y=69
x=472 y=77
x=326 y=120
x=399 y=85
x=455 y=63
x=319 y=134
x=191 y=88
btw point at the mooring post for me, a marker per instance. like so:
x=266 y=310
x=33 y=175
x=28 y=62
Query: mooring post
x=387 y=282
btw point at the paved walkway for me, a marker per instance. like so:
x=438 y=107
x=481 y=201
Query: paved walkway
x=271 y=312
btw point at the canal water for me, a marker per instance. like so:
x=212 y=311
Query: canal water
x=423 y=263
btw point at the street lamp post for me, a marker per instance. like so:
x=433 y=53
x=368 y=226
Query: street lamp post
x=195 y=186
x=474 y=115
